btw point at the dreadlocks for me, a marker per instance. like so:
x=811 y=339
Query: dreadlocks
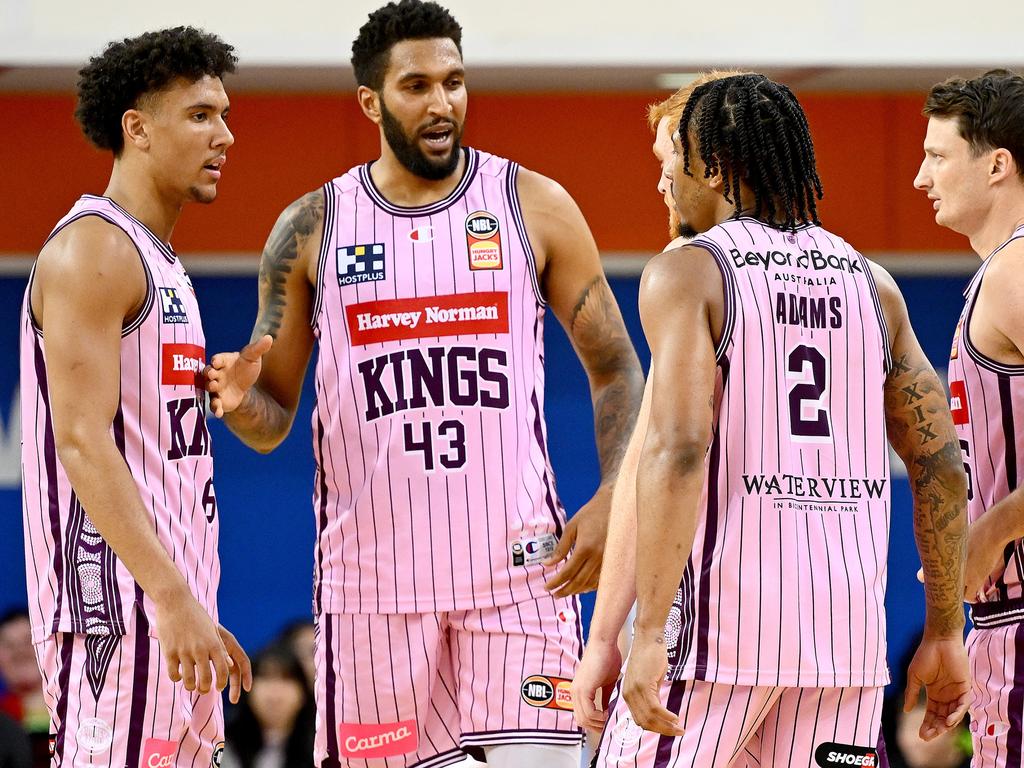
x=753 y=130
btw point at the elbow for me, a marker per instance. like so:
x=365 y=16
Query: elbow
x=76 y=448
x=679 y=459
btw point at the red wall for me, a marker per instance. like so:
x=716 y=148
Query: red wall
x=596 y=145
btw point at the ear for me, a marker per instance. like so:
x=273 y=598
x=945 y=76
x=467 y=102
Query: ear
x=716 y=181
x=1002 y=166
x=135 y=126
x=369 y=102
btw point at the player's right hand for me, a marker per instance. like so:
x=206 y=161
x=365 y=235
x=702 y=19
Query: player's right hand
x=940 y=666
x=595 y=676
x=985 y=561
x=191 y=645
x=231 y=374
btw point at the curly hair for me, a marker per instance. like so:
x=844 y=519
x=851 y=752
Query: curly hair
x=753 y=130
x=115 y=81
x=391 y=24
x=989 y=111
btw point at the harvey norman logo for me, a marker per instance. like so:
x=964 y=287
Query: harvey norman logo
x=182 y=365
x=373 y=322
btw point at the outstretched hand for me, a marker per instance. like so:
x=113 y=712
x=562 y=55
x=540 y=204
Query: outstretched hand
x=230 y=375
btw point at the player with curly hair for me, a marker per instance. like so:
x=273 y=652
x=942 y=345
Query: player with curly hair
x=120 y=513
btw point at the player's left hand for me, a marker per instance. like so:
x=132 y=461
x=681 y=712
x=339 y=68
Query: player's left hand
x=985 y=563
x=231 y=374
x=641 y=686
x=584 y=535
x=940 y=666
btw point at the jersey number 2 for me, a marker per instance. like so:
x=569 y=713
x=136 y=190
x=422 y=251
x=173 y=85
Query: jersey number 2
x=808 y=417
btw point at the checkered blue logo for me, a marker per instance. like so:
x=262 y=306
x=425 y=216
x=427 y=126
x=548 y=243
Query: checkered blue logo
x=172 y=306
x=360 y=263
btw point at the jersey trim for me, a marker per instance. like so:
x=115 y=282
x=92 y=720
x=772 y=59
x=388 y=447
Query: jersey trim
x=327 y=238
x=520 y=222
x=147 y=302
x=469 y=173
x=997 y=613
x=164 y=249
x=729 y=294
x=876 y=300
x=1003 y=369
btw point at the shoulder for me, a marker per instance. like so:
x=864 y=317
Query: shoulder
x=537 y=190
x=90 y=246
x=304 y=214
x=894 y=309
x=678 y=274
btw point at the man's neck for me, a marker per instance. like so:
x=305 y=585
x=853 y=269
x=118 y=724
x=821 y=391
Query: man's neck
x=137 y=193
x=404 y=188
x=999 y=224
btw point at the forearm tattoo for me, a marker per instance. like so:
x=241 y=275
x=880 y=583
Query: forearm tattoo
x=616 y=380
x=921 y=430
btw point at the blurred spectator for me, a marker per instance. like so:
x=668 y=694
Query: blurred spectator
x=272 y=726
x=21 y=686
x=15 y=751
x=300 y=636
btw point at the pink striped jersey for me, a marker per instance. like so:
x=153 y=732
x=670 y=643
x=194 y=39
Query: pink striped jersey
x=987 y=403
x=433 y=491
x=786 y=580
x=75 y=581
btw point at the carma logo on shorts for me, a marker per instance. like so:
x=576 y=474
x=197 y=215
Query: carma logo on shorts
x=158 y=753
x=368 y=740
x=828 y=755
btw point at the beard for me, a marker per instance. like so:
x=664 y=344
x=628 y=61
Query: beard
x=685 y=230
x=410 y=155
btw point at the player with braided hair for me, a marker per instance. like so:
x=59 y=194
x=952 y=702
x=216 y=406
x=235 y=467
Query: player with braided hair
x=781 y=361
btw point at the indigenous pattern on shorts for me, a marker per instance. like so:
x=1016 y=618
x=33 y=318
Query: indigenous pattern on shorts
x=786 y=579
x=434 y=491
x=75 y=582
x=987 y=403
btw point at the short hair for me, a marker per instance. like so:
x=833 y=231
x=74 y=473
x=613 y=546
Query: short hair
x=391 y=24
x=115 y=81
x=12 y=615
x=672 y=107
x=989 y=111
x=753 y=130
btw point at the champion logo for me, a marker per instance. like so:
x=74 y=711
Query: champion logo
x=157 y=753
x=422 y=234
x=370 y=740
x=374 y=322
x=183 y=365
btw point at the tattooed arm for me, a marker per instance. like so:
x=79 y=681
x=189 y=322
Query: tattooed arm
x=573 y=282
x=920 y=429
x=257 y=389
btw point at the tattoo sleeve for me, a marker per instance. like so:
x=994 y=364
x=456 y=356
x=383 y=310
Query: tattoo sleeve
x=921 y=430
x=300 y=222
x=616 y=380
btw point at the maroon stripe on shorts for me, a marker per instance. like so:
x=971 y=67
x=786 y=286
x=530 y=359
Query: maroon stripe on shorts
x=67 y=642
x=140 y=687
x=330 y=718
x=1015 y=702
x=674 y=704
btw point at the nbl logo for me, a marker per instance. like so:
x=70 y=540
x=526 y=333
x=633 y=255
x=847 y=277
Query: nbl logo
x=172 y=306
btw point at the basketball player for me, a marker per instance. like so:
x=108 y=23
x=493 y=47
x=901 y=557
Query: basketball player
x=425 y=276
x=602 y=660
x=119 y=507
x=781 y=358
x=973 y=171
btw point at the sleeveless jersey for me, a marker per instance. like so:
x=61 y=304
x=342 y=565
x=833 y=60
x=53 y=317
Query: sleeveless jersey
x=786 y=580
x=433 y=490
x=987 y=403
x=75 y=581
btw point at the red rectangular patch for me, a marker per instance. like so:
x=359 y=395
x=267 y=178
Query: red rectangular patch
x=958 y=402
x=182 y=365
x=373 y=322
x=370 y=740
